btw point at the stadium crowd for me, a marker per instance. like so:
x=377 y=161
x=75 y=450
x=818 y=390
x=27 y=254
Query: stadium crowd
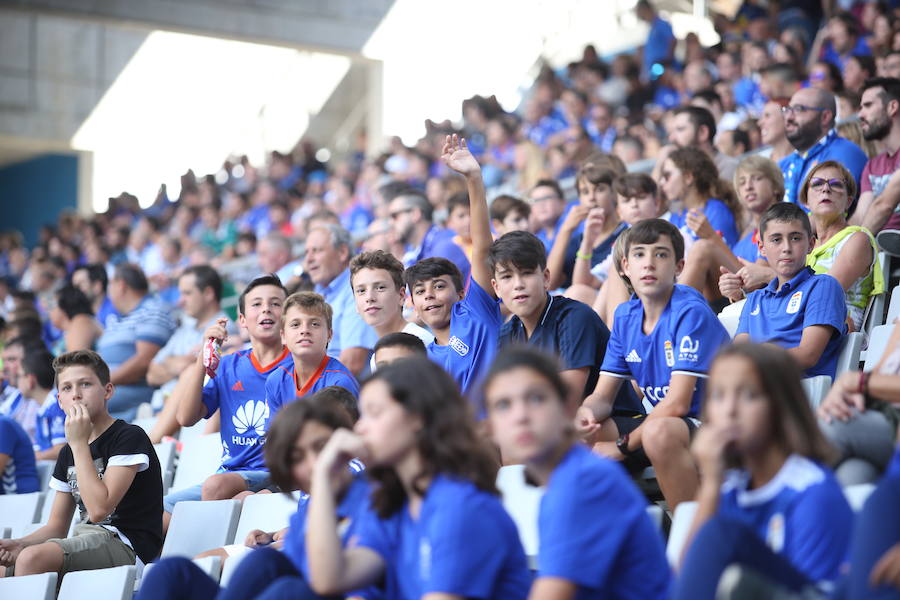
x=550 y=287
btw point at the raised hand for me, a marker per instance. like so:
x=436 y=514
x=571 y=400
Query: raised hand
x=699 y=224
x=730 y=285
x=78 y=424
x=456 y=156
x=593 y=226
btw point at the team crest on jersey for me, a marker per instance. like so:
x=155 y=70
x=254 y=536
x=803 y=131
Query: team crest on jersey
x=459 y=346
x=688 y=350
x=794 y=303
x=669 y=352
x=775 y=532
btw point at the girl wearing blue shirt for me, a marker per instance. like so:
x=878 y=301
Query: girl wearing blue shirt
x=689 y=178
x=765 y=501
x=294 y=441
x=436 y=529
x=616 y=552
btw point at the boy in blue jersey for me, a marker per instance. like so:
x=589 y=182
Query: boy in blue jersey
x=465 y=324
x=800 y=311
x=36 y=381
x=238 y=391
x=306 y=331
x=664 y=339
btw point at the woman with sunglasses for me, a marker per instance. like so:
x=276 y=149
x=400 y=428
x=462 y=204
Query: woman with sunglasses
x=847 y=253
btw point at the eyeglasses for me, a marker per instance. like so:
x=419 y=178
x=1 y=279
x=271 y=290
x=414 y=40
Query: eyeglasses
x=396 y=214
x=817 y=183
x=785 y=110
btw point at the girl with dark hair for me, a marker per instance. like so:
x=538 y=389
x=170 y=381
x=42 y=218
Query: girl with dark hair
x=72 y=313
x=294 y=441
x=436 y=528
x=617 y=552
x=766 y=500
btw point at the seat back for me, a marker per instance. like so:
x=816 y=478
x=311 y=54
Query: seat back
x=200 y=526
x=116 y=583
x=200 y=458
x=681 y=526
x=32 y=587
x=522 y=502
x=20 y=509
x=877 y=344
x=268 y=512
x=848 y=359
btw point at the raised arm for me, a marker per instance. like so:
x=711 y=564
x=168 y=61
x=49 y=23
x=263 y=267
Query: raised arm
x=188 y=392
x=456 y=156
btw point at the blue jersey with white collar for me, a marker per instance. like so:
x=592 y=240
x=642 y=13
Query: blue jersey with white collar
x=779 y=315
x=474 y=332
x=51 y=424
x=463 y=542
x=617 y=553
x=801 y=514
x=282 y=386
x=685 y=339
x=239 y=390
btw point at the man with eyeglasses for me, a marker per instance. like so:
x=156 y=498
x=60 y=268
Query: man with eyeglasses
x=879 y=198
x=809 y=127
x=411 y=222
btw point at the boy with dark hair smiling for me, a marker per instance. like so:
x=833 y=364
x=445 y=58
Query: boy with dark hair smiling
x=568 y=328
x=465 y=324
x=800 y=311
x=108 y=470
x=665 y=339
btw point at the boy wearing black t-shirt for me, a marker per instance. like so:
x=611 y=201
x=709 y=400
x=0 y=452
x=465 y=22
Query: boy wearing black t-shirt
x=108 y=470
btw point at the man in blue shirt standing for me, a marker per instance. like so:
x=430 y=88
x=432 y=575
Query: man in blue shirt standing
x=660 y=46
x=327 y=262
x=809 y=127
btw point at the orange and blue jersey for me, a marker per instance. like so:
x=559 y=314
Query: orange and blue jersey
x=284 y=385
x=239 y=391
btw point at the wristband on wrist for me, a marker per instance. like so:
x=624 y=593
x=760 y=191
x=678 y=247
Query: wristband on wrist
x=583 y=255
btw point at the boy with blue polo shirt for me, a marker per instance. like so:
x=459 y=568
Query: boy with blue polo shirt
x=465 y=324
x=800 y=311
x=664 y=338
x=238 y=391
x=36 y=381
x=306 y=331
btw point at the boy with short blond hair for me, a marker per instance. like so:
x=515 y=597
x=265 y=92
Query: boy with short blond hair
x=108 y=470
x=306 y=330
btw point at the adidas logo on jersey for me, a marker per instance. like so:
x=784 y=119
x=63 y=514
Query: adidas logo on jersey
x=250 y=418
x=238 y=387
x=633 y=357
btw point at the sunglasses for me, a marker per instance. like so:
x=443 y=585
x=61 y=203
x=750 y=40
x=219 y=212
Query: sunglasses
x=817 y=183
x=800 y=108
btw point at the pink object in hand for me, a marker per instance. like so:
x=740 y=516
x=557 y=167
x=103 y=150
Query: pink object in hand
x=211 y=355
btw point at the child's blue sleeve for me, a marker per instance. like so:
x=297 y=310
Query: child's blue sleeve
x=826 y=305
x=614 y=359
x=210 y=394
x=698 y=336
x=818 y=532
x=483 y=305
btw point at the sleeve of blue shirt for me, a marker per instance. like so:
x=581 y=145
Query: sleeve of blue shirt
x=156 y=328
x=816 y=550
x=826 y=305
x=580 y=334
x=744 y=321
x=8 y=437
x=722 y=221
x=698 y=336
x=614 y=359
x=483 y=305
x=378 y=535
x=210 y=394
x=467 y=552
x=579 y=550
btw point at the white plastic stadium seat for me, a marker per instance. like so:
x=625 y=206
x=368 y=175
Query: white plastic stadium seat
x=731 y=316
x=894 y=306
x=522 y=502
x=681 y=525
x=877 y=344
x=211 y=565
x=816 y=388
x=32 y=587
x=20 y=509
x=45 y=472
x=200 y=526
x=848 y=359
x=115 y=583
x=268 y=512
x=200 y=457
x=165 y=452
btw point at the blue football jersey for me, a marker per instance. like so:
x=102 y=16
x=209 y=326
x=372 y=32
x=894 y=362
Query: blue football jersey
x=801 y=514
x=685 y=339
x=51 y=424
x=282 y=386
x=474 y=333
x=239 y=390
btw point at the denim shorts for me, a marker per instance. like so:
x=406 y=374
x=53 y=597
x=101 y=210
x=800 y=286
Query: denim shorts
x=254 y=480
